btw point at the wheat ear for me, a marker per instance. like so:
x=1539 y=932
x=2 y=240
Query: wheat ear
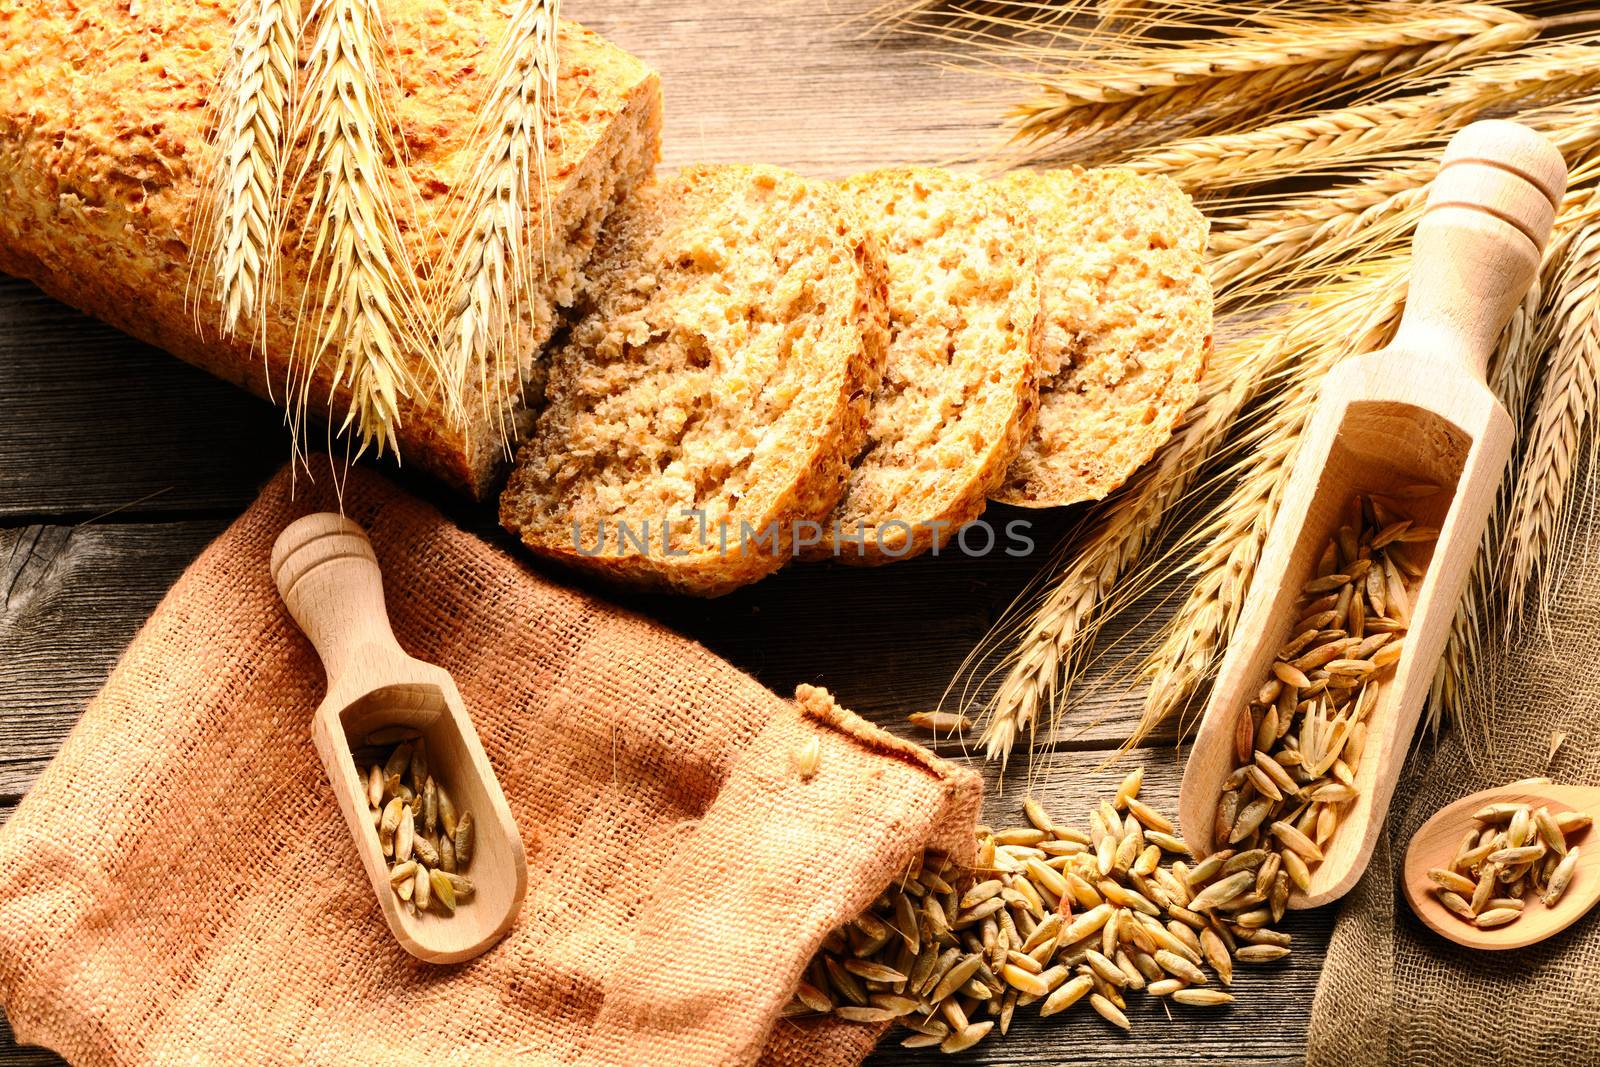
x=361 y=288
x=1314 y=232
x=1364 y=133
x=1275 y=61
x=1251 y=250
x=1513 y=367
x=493 y=270
x=1566 y=402
x=241 y=207
x=1344 y=319
x=1121 y=530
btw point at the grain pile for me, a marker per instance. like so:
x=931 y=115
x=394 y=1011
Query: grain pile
x=428 y=844
x=1514 y=851
x=1298 y=745
x=1051 y=915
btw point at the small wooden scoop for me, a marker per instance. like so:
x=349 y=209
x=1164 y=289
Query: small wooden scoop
x=325 y=568
x=1417 y=412
x=1435 y=845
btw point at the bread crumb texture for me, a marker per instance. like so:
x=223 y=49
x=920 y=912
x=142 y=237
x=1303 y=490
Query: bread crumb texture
x=1127 y=328
x=713 y=385
x=960 y=388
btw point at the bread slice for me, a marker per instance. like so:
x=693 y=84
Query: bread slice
x=713 y=387
x=961 y=386
x=1127 y=314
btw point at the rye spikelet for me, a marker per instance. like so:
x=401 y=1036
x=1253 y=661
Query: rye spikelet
x=361 y=290
x=1364 y=134
x=1346 y=318
x=241 y=214
x=492 y=257
x=1271 y=62
x=1566 y=402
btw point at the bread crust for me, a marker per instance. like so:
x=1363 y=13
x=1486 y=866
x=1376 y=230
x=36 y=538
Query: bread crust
x=645 y=286
x=873 y=529
x=1127 y=314
x=104 y=128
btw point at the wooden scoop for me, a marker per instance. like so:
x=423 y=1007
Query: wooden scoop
x=1417 y=412
x=325 y=568
x=1435 y=845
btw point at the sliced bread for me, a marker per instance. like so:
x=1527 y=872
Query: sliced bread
x=1127 y=328
x=710 y=395
x=960 y=387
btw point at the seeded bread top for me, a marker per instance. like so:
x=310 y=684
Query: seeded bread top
x=1127 y=328
x=961 y=384
x=729 y=331
x=105 y=113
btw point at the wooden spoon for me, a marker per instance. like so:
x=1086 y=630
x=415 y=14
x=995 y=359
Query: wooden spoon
x=1435 y=845
x=326 y=571
x=1417 y=412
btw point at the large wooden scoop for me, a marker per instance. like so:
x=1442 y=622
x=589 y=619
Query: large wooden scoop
x=1417 y=412
x=325 y=568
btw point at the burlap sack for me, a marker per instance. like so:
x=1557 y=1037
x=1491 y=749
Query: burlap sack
x=1394 y=992
x=179 y=886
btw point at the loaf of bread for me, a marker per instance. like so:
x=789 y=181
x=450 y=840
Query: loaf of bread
x=104 y=112
x=961 y=385
x=1127 y=328
x=701 y=415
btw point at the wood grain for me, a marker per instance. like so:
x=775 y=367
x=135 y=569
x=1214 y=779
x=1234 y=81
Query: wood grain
x=91 y=421
x=95 y=421
x=71 y=597
x=800 y=83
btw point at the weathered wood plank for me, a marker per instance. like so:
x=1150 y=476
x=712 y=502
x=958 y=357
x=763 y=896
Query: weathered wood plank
x=94 y=421
x=70 y=599
x=798 y=83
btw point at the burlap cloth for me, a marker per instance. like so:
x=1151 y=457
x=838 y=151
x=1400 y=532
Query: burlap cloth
x=1394 y=992
x=179 y=886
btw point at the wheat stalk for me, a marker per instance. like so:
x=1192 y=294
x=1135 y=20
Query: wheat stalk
x=1314 y=232
x=489 y=289
x=241 y=214
x=1567 y=399
x=1363 y=133
x=1345 y=318
x=1249 y=69
x=1250 y=249
x=360 y=285
x=1121 y=529
x=1512 y=370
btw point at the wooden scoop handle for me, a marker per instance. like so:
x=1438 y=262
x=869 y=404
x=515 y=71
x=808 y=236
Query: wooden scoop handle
x=326 y=571
x=1477 y=248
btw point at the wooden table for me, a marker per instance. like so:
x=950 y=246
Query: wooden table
x=118 y=464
